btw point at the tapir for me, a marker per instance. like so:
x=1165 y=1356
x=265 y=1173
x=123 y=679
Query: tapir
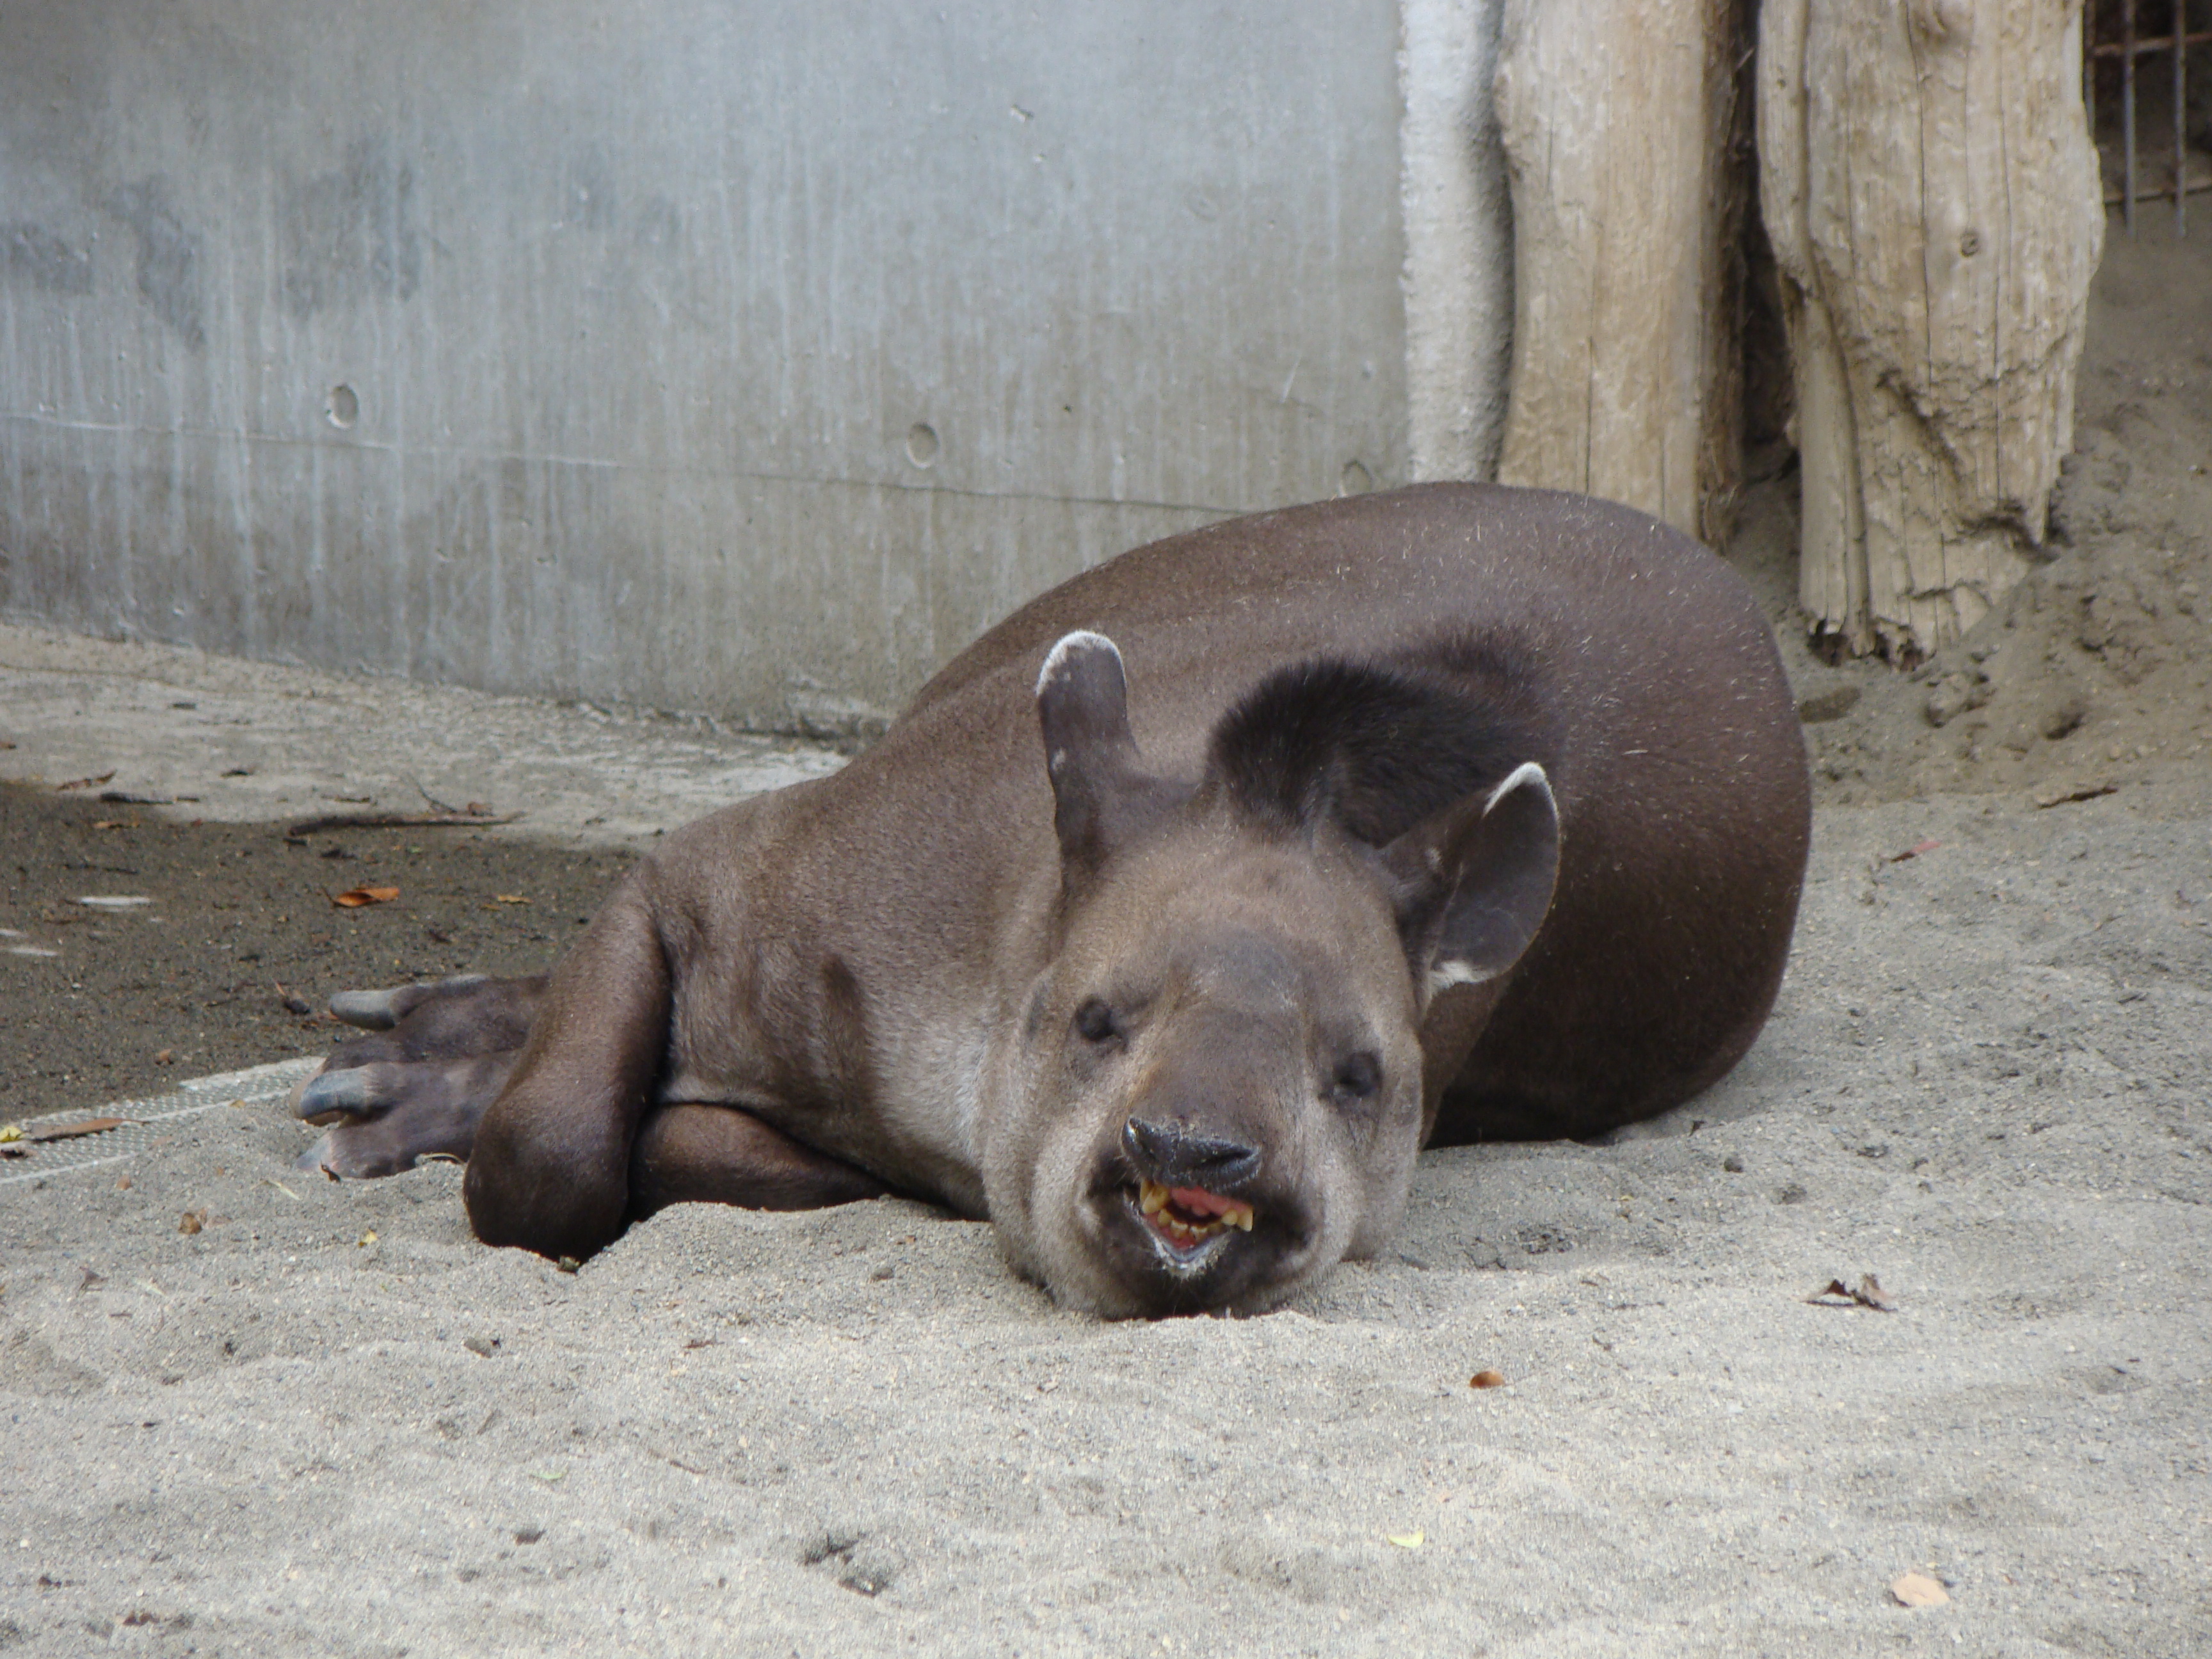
x=1174 y=917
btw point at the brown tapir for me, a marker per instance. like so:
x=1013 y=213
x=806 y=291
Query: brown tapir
x=1458 y=813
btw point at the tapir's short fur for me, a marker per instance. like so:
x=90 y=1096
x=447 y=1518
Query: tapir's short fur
x=1458 y=813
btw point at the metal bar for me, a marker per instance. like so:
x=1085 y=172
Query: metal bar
x=2128 y=117
x=2180 y=122
x=2149 y=44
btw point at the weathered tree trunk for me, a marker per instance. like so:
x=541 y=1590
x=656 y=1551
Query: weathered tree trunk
x=1616 y=117
x=1931 y=190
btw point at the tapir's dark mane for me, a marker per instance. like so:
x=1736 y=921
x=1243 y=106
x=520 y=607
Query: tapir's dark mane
x=1379 y=745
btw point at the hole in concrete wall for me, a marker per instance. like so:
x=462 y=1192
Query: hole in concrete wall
x=922 y=444
x=1354 y=480
x=343 y=409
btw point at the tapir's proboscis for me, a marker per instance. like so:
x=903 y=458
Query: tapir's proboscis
x=1452 y=814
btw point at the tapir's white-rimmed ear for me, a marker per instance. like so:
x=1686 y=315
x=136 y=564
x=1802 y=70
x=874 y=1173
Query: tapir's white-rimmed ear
x=1473 y=885
x=1090 y=755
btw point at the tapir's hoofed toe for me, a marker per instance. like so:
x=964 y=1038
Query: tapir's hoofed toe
x=359 y=1091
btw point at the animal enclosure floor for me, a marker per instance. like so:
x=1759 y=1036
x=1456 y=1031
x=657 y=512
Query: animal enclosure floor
x=247 y=1411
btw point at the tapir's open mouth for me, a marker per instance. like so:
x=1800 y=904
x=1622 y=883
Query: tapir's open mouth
x=1187 y=1217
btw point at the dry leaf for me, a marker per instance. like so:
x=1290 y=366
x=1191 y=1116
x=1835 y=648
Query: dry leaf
x=368 y=1238
x=1917 y=1589
x=11 y=1132
x=82 y=783
x=90 y=1125
x=166 y=1057
x=122 y=1184
x=353 y=898
x=1869 y=1294
x=1914 y=851
x=508 y=898
x=1486 y=1380
x=193 y=1221
x=1407 y=1541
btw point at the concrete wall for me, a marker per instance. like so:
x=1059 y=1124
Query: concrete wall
x=723 y=354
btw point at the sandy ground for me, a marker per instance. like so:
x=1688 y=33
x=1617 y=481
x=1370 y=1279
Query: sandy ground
x=326 y=1421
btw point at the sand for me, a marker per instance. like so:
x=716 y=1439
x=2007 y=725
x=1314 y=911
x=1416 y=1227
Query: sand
x=327 y=1421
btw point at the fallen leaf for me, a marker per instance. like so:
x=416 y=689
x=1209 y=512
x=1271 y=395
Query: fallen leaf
x=368 y=1238
x=353 y=898
x=1869 y=1294
x=11 y=1132
x=282 y=1188
x=166 y=1057
x=1486 y=1380
x=1917 y=1589
x=567 y=1264
x=1914 y=851
x=122 y=1184
x=82 y=783
x=480 y=1346
x=193 y=1221
x=508 y=898
x=1407 y=1541
x=548 y=1476
x=90 y=1125
x=115 y=823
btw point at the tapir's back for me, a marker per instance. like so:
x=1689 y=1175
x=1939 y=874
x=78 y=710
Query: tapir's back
x=1678 y=766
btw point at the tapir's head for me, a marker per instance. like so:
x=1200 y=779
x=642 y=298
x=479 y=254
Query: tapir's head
x=1218 y=1089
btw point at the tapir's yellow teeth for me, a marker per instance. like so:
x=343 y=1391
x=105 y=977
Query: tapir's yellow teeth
x=1160 y=1206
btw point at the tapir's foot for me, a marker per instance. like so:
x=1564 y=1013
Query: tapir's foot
x=436 y=1058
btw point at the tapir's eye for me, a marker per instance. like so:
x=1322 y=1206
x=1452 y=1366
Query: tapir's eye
x=1094 y=1022
x=1358 y=1077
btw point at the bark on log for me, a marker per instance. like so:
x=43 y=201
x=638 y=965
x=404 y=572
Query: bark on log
x=1930 y=191
x=1616 y=117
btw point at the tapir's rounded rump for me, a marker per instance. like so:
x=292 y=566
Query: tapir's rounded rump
x=1184 y=906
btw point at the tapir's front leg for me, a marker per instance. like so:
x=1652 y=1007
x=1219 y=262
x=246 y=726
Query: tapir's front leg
x=549 y=1169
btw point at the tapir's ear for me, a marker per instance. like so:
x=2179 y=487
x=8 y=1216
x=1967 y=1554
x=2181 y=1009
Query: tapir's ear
x=1472 y=883
x=1082 y=709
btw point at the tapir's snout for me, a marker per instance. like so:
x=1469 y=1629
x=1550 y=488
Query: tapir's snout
x=1173 y=1157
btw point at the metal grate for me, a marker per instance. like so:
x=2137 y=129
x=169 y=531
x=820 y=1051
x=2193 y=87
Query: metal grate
x=142 y=1131
x=2116 y=38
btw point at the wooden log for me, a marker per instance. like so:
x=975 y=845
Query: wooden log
x=1617 y=118
x=1929 y=187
